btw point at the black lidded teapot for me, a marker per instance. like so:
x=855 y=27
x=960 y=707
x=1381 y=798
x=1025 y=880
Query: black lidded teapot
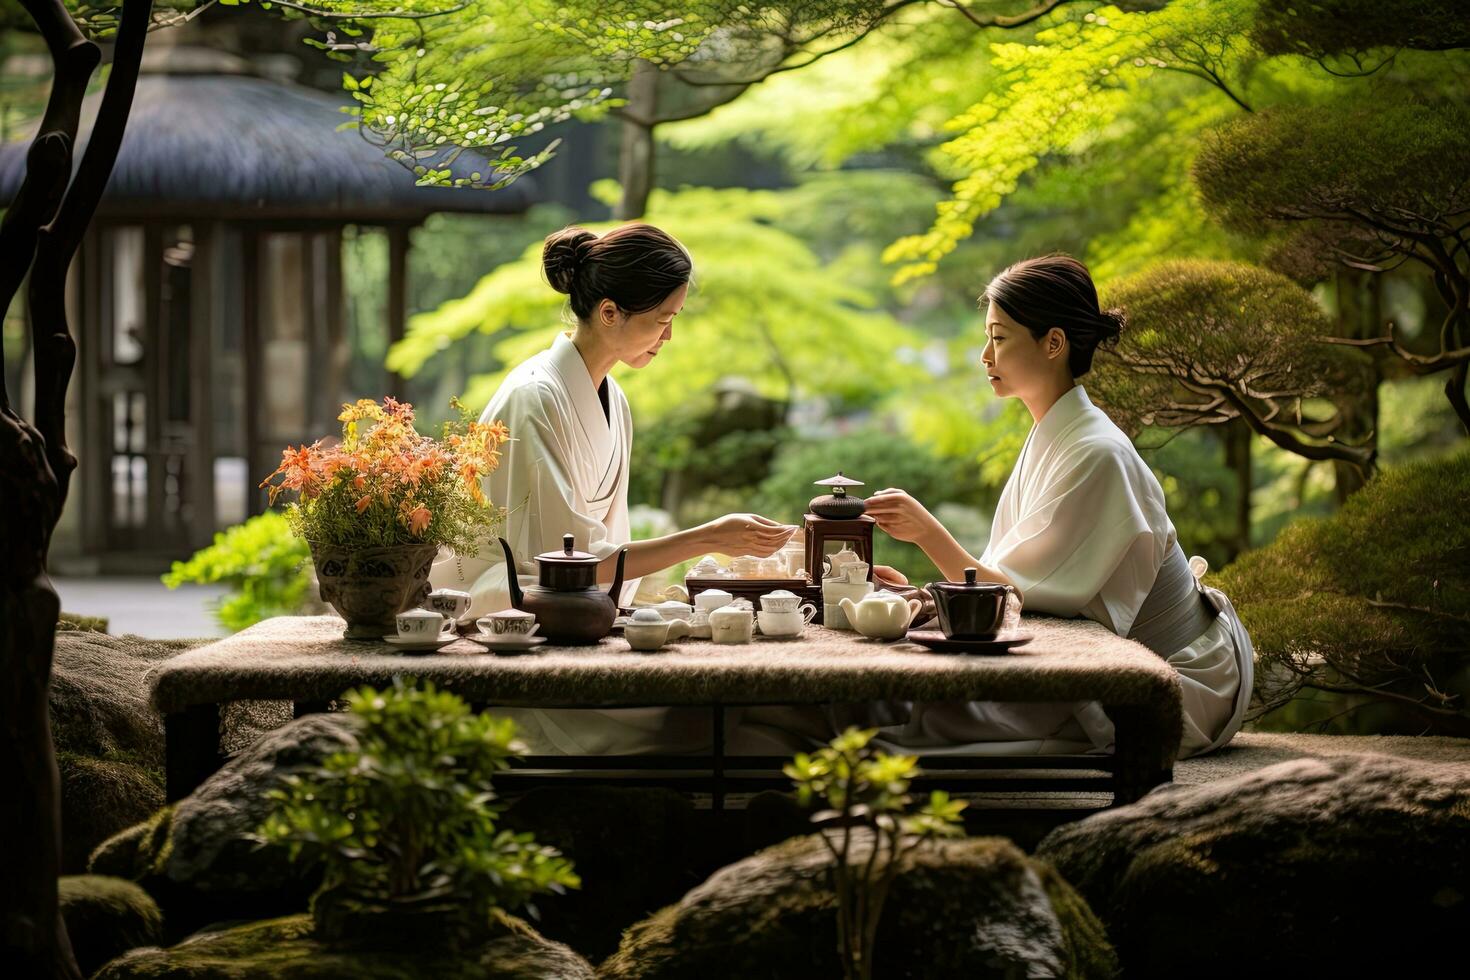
x=972 y=611
x=567 y=603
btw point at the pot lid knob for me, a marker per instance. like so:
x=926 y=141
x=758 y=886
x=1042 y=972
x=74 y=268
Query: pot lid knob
x=970 y=574
x=838 y=484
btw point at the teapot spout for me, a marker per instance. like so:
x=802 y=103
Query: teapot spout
x=616 y=591
x=512 y=580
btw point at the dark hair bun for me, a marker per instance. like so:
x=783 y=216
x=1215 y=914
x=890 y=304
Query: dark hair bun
x=1110 y=326
x=562 y=254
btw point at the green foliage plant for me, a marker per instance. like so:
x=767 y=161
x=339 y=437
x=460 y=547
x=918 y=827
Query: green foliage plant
x=1371 y=186
x=867 y=799
x=1373 y=601
x=1211 y=341
x=264 y=565
x=404 y=823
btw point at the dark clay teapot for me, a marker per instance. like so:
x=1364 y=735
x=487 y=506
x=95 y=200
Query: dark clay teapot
x=972 y=611
x=567 y=603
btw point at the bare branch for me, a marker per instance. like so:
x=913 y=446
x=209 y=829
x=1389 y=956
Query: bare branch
x=319 y=14
x=1003 y=21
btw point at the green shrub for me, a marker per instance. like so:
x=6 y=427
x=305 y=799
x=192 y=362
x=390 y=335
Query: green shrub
x=1373 y=602
x=404 y=825
x=866 y=793
x=263 y=563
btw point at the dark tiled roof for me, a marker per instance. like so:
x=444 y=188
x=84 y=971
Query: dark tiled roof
x=229 y=145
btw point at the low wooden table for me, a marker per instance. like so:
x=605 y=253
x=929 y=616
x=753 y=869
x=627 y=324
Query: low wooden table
x=306 y=661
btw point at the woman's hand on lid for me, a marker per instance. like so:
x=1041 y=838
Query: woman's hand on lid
x=901 y=516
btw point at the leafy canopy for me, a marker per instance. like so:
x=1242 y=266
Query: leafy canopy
x=1206 y=341
x=1375 y=599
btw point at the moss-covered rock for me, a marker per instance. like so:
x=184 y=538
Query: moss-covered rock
x=631 y=848
x=211 y=837
x=99 y=696
x=1347 y=866
x=975 y=907
x=99 y=799
x=70 y=622
x=139 y=852
x=106 y=917
x=284 y=949
x=198 y=856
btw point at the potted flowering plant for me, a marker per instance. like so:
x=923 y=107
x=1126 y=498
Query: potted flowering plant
x=376 y=506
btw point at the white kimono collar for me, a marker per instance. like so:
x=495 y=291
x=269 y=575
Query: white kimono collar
x=1073 y=404
x=567 y=362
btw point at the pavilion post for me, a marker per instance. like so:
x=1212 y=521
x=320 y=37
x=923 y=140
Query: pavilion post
x=397 y=296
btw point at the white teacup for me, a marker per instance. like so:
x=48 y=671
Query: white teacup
x=422 y=624
x=509 y=622
x=789 y=623
x=448 y=602
x=780 y=601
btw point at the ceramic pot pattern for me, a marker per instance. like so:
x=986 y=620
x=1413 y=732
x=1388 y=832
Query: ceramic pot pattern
x=369 y=587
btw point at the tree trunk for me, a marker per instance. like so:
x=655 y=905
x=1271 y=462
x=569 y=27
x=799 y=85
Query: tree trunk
x=1238 y=439
x=1359 y=316
x=41 y=232
x=636 y=154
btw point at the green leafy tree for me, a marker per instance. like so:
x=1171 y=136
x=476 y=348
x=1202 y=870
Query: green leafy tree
x=1373 y=602
x=404 y=823
x=1236 y=346
x=1366 y=32
x=1377 y=185
x=1210 y=342
x=867 y=829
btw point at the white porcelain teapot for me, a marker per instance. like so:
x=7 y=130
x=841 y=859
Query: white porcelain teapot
x=881 y=615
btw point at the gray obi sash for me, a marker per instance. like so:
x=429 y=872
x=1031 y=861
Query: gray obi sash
x=1176 y=611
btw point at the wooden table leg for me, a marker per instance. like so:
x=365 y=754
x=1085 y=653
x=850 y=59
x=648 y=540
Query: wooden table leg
x=1137 y=754
x=302 y=708
x=717 y=791
x=191 y=749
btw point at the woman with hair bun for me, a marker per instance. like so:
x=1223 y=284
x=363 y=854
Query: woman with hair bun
x=565 y=470
x=1081 y=530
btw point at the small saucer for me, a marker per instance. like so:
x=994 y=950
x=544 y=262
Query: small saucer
x=414 y=644
x=1003 y=642
x=506 y=642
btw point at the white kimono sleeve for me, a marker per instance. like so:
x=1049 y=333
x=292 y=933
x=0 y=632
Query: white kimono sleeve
x=1084 y=527
x=536 y=484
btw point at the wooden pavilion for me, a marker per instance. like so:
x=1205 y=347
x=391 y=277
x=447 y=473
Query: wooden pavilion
x=207 y=299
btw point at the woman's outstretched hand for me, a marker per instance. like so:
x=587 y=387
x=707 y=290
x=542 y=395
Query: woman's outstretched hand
x=746 y=534
x=889 y=575
x=900 y=516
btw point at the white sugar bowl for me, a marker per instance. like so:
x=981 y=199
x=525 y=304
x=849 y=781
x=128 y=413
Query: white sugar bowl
x=732 y=624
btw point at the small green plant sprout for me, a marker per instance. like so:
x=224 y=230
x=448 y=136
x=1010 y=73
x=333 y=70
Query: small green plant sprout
x=867 y=829
x=403 y=823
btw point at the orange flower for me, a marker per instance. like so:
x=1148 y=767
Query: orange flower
x=416 y=516
x=364 y=502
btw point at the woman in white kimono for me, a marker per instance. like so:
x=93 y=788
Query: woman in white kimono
x=566 y=469
x=1081 y=530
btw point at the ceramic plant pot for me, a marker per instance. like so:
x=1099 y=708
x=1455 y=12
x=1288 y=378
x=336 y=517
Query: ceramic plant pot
x=369 y=587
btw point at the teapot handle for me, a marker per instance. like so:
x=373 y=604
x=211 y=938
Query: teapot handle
x=914 y=606
x=616 y=591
